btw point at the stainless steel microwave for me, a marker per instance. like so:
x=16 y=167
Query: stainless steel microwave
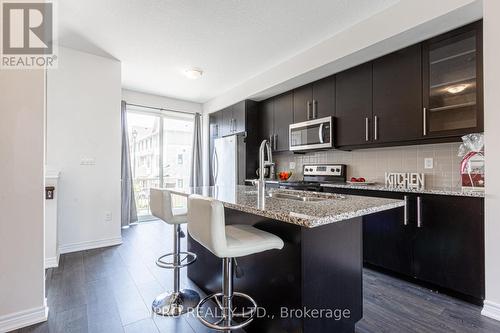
x=312 y=134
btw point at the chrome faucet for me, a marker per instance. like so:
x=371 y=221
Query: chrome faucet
x=263 y=163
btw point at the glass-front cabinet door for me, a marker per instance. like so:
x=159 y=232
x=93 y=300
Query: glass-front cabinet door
x=452 y=83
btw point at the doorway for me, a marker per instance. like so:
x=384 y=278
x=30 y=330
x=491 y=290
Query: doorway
x=160 y=154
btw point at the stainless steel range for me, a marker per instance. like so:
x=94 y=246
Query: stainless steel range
x=317 y=174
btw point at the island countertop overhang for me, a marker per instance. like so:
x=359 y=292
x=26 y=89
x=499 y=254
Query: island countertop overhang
x=327 y=208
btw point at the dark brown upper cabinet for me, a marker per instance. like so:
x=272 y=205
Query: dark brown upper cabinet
x=323 y=98
x=315 y=100
x=239 y=112
x=397 y=96
x=276 y=116
x=353 y=106
x=302 y=103
x=227 y=121
x=267 y=119
x=233 y=119
x=430 y=92
x=453 y=83
x=283 y=117
x=215 y=124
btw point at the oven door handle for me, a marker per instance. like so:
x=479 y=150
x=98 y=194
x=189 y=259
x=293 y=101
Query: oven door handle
x=321 y=133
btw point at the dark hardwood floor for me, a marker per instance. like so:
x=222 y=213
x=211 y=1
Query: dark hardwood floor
x=111 y=289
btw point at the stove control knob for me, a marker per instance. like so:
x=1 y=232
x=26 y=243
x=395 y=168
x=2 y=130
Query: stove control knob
x=332 y=170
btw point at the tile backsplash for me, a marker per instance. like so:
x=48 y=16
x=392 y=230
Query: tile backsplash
x=373 y=163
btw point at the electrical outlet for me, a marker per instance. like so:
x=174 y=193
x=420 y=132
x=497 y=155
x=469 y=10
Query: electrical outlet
x=108 y=216
x=428 y=163
x=87 y=161
x=292 y=165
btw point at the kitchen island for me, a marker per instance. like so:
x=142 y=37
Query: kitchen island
x=314 y=284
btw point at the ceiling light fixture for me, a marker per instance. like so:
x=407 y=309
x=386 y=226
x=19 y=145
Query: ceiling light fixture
x=457 y=89
x=193 y=73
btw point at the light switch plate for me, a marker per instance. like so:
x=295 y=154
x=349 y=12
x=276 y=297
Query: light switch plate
x=292 y=165
x=87 y=161
x=428 y=163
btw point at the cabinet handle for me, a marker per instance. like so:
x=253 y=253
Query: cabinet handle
x=419 y=212
x=405 y=221
x=375 y=125
x=308 y=110
x=315 y=109
x=217 y=130
x=271 y=144
x=367 y=130
x=425 y=120
x=234 y=125
x=275 y=141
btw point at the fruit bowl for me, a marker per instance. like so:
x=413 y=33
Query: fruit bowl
x=359 y=181
x=284 y=175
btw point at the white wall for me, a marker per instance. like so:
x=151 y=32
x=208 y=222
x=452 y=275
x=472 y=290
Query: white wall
x=22 y=288
x=83 y=122
x=491 y=28
x=136 y=97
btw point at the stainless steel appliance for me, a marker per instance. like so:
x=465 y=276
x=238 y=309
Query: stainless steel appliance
x=228 y=161
x=312 y=134
x=317 y=174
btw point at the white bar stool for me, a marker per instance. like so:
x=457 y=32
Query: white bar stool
x=206 y=225
x=178 y=301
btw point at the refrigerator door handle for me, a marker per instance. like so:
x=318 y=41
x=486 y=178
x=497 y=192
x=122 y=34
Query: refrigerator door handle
x=215 y=166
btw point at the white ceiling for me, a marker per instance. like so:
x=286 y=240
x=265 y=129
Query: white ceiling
x=231 y=40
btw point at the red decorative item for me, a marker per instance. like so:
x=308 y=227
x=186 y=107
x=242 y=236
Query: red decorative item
x=284 y=175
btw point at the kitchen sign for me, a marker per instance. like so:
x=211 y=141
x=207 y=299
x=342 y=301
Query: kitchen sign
x=407 y=180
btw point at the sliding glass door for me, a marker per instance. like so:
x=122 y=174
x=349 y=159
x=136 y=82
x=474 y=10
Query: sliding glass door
x=160 y=153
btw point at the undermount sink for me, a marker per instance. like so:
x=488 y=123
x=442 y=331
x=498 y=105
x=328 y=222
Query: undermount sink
x=296 y=197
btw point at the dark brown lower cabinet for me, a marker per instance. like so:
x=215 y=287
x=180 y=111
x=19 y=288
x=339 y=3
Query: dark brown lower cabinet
x=443 y=245
x=386 y=241
x=449 y=244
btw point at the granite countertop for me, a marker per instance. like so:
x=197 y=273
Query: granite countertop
x=436 y=190
x=334 y=207
x=454 y=191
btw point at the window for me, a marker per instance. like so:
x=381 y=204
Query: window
x=160 y=149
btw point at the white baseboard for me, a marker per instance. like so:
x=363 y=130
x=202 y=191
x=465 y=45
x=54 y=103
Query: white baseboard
x=52 y=262
x=24 y=318
x=81 y=246
x=491 y=310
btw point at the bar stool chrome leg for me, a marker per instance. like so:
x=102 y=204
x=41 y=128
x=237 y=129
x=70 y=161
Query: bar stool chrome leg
x=178 y=301
x=226 y=321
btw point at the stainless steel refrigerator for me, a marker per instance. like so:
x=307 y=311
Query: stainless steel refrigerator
x=228 y=161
